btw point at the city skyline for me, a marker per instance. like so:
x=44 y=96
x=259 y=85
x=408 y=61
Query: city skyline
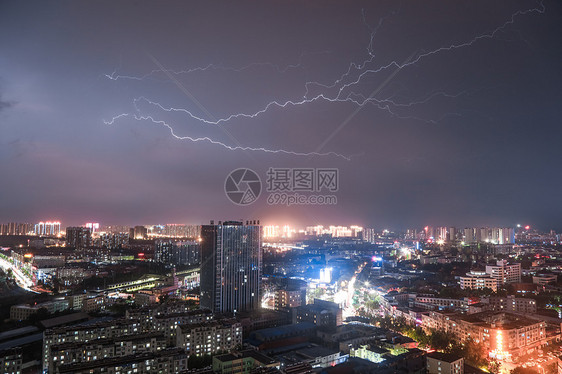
x=48 y=228
x=431 y=114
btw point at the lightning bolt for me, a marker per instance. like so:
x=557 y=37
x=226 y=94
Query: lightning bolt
x=356 y=99
x=448 y=48
x=114 y=76
x=216 y=142
x=353 y=66
x=343 y=86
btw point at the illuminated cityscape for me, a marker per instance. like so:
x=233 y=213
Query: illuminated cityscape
x=304 y=187
x=187 y=291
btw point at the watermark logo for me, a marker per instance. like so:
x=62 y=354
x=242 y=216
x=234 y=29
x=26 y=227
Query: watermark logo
x=296 y=186
x=242 y=186
x=285 y=186
x=302 y=180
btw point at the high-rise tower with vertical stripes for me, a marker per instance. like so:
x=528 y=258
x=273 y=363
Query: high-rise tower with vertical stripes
x=231 y=262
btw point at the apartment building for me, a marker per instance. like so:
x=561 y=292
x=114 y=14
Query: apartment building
x=98 y=349
x=510 y=334
x=444 y=363
x=479 y=280
x=505 y=272
x=172 y=360
x=210 y=337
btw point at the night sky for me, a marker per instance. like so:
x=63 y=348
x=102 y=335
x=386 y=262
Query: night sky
x=434 y=112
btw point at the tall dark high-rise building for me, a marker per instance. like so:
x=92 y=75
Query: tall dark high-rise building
x=231 y=261
x=78 y=237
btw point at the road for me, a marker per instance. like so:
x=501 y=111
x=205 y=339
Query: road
x=21 y=279
x=349 y=310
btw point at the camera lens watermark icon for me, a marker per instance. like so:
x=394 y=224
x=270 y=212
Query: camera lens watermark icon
x=242 y=186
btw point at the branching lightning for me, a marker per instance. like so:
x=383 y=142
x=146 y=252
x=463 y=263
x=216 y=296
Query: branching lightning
x=281 y=70
x=216 y=142
x=340 y=90
x=400 y=66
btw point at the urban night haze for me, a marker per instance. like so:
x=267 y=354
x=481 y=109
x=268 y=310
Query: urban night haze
x=294 y=187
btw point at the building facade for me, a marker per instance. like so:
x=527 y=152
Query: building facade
x=513 y=304
x=479 y=280
x=443 y=363
x=47 y=228
x=287 y=299
x=11 y=361
x=175 y=253
x=231 y=263
x=503 y=334
x=505 y=272
x=16 y=228
x=210 y=337
x=78 y=237
x=322 y=313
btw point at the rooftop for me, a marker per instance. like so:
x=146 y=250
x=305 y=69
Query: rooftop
x=221 y=323
x=17 y=332
x=116 y=361
x=261 y=358
x=447 y=357
x=64 y=320
x=282 y=331
x=500 y=319
x=21 y=341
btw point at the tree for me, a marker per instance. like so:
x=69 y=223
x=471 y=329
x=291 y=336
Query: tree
x=475 y=353
x=418 y=335
x=317 y=293
x=382 y=322
x=501 y=292
x=372 y=305
x=522 y=370
x=457 y=348
x=452 y=292
x=399 y=324
x=494 y=366
x=440 y=340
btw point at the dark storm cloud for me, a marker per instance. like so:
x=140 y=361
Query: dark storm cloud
x=463 y=136
x=5 y=104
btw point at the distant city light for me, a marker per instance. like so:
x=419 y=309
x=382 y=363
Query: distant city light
x=93 y=226
x=326 y=275
x=272 y=231
x=47 y=228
